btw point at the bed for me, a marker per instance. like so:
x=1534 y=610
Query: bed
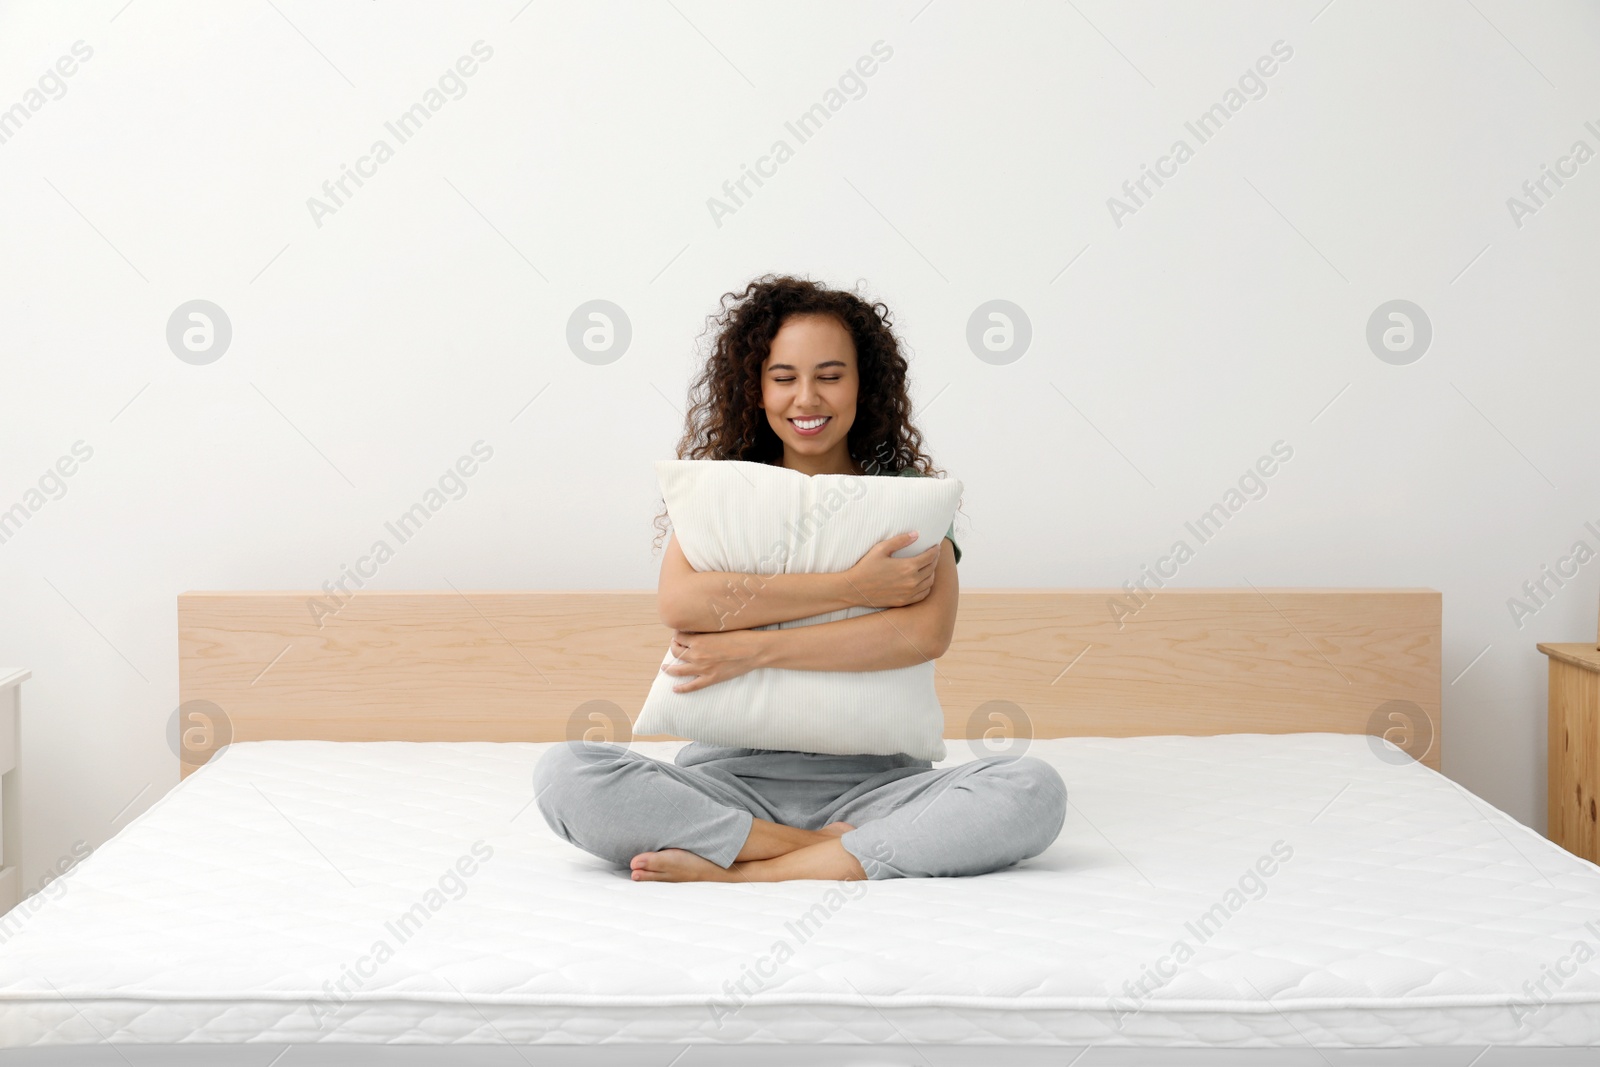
x=1249 y=872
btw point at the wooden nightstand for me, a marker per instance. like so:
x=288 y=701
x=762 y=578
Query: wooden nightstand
x=1574 y=799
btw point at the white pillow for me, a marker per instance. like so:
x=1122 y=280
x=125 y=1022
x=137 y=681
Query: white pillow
x=755 y=518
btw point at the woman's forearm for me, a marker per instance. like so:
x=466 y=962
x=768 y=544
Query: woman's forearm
x=881 y=641
x=713 y=601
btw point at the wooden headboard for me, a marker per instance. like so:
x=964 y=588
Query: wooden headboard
x=505 y=666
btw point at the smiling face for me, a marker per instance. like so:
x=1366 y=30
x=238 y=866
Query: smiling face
x=808 y=390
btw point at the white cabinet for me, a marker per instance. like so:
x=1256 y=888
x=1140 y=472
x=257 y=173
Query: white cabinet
x=10 y=803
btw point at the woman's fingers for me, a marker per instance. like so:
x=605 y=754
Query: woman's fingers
x=697 y=677
x=699 y=682
x=889 y=546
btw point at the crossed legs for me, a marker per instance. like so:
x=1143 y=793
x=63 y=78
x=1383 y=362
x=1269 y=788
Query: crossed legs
x=669 y=823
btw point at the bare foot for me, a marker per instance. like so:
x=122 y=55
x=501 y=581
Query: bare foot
x=827 y=859
x=677 y=865
x=769 y=839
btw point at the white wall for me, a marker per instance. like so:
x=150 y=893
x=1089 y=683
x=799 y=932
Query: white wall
x=368 y=353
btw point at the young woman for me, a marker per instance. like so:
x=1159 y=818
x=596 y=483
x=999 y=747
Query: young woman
x=811 y=379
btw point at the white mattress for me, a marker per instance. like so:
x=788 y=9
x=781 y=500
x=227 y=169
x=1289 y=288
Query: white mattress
x=1409 y=913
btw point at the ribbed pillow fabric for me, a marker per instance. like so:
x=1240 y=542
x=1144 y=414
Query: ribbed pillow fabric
x=759 y=519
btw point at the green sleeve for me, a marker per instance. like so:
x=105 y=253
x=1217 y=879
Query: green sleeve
x=951 y=533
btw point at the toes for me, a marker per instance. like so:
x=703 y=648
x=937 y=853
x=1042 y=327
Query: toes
x=650 y=867
x=661 y=866
x=671 y=865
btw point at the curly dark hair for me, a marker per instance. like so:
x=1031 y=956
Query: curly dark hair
x=725 y=419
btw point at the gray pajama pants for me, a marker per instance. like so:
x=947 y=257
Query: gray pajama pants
x=910 y=820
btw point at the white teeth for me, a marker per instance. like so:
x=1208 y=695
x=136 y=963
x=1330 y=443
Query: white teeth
x=809 y=424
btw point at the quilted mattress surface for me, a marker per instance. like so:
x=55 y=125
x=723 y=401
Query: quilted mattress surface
x=1236 y=891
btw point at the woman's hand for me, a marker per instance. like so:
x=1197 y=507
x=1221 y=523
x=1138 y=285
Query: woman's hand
x=878 y=580
x=708 y=658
